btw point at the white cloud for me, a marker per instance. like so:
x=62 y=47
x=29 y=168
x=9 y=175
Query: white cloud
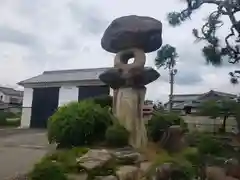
x=63 y=34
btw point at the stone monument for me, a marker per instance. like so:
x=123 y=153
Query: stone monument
x=131 y=37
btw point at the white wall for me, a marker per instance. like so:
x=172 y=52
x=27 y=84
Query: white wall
x=207 y=124
x=27 y=104
x=67 y=94
x=5 y=98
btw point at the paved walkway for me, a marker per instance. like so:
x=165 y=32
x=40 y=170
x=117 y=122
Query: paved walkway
x=20 y=150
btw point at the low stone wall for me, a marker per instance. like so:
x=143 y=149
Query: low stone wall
x=207 y=124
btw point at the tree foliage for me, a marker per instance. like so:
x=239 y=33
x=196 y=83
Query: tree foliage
x=215 y=51
x=166 y=57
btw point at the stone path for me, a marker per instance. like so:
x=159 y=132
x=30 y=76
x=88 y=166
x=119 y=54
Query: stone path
x=20 y=150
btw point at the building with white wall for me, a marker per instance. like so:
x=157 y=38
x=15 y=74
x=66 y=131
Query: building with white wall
x=44 y=93
x=10 y=99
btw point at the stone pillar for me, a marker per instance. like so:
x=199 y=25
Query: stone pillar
x=129 y=104
x=114 y=101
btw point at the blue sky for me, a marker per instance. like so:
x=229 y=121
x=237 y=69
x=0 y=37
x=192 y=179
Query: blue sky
x=38 y=35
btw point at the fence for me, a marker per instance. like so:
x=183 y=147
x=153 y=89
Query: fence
x=207 y=124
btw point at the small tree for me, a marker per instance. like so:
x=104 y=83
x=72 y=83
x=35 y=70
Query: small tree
x=223 y=108
x=210 y=108
x=166 y=57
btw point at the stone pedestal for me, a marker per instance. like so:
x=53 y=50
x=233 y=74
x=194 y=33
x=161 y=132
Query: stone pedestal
x=128 y=110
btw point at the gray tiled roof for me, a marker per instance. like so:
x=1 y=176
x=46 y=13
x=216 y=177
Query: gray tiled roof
x=65 y=76
x=10 y=91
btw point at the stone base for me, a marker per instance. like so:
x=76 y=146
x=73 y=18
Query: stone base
x=128 y=109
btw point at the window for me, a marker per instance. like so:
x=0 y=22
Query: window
x=1 y=97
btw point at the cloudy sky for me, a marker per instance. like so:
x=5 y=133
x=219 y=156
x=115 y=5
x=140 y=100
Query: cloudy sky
x=38 y=35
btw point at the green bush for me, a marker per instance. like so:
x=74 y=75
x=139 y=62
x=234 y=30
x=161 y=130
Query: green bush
x=4 y=116
x=192 y=155
x=47 y=170
x=160 y=122
x=208 y=145
x=67 y=158
x=78 y=123
x=103 y=101
x=117 y=136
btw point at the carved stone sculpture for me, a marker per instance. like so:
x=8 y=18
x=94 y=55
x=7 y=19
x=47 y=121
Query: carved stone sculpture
x=131 y=37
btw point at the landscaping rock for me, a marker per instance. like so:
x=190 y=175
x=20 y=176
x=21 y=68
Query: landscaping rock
x=94 y=158
x=106 y=178
x=163 y=172
x=133 y=31
x=82 y=176
x=215 y=173
x=127 y=156
x=173 y=139
x=144 y=167
x=128 y=173
x=232 y=168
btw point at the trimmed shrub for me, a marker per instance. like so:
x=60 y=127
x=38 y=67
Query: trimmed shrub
x=78 y=123
x=208 y=145
x=47 y=170
x=160 y=122
x=192 y=155
x=103 y=101
x=117 y=136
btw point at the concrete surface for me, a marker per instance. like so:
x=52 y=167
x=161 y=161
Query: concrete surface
x=20 y=150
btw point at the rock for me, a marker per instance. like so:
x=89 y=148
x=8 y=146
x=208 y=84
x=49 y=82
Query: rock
x=128 y=173
x=168 y=171
x=82 y=176
x=232 y=168
x=215 y=173
x=127 y=156
x=163 y=172
x=106 y=178
x=116 y=79
x=144 y=167
x=133 y=31
x=94 y=158
x=173 y=139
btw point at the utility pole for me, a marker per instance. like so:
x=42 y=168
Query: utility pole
x=172 y=73
x=171 y=90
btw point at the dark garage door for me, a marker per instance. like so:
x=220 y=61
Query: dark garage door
x=92 y=91
x=44 y=104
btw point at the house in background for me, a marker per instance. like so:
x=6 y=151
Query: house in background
x=10 y=99
x=189 y=103
x=44 y=93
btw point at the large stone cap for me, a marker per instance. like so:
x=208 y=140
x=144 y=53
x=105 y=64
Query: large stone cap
x=116 y=79
x=133 y=32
